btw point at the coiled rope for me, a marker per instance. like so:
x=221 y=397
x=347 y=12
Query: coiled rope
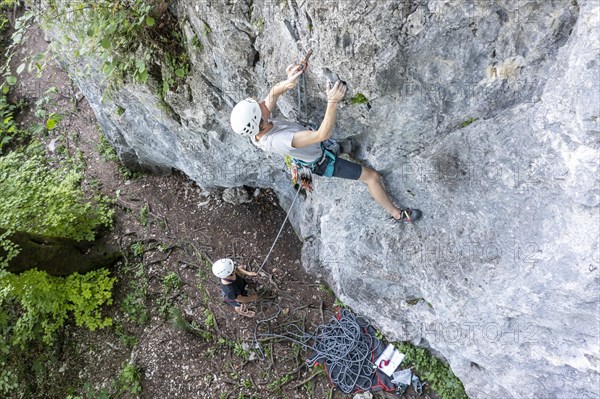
x=345 y=346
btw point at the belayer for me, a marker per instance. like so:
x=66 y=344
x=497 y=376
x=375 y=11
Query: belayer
x=250 y=118
x=233 y=285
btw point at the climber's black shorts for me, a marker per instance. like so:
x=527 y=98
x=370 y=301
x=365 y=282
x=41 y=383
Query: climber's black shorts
x=341 y=168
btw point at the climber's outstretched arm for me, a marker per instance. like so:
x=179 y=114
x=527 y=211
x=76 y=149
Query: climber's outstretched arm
x=293 y=72
x=308 y=137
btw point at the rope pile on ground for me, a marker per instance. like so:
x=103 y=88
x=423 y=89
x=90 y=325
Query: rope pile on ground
x=345 y=346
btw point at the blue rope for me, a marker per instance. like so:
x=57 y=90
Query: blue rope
x=343 y=346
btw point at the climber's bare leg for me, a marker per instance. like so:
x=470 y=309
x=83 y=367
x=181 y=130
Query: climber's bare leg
x=373 y=180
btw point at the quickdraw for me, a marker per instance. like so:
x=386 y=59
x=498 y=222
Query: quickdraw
x=301 y=175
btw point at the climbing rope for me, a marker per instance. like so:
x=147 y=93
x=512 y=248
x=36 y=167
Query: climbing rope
x=257 y=348
x=304 y=64
x=344 y=346
x=301 y=90
x=280 y=230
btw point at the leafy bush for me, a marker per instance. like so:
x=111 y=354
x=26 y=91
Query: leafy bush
x=35 y=305
x=33 y=308
x=8 y=129
x=41 y=200
x=437 y=374
x=126 y=37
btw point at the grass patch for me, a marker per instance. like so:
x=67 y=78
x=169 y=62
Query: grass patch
x=105 y=149
x=437 y=374
x=130 y=379
x=323 y=287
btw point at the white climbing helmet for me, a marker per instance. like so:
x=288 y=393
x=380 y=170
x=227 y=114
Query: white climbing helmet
x=223 y=268
x=245 y=117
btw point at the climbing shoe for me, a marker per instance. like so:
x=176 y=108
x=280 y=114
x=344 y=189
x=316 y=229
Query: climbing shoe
x=408 y=215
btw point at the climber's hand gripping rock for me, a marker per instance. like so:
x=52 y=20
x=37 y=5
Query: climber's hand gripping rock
x=336 y=91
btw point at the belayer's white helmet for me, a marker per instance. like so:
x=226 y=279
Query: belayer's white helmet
x=245 y=117
x=223 y=268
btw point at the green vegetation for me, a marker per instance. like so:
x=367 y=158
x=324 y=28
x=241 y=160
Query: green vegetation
x=34 y=307
x=207 y=29
x=21 y=26
x=39 y=199
x=108 y=154
x=437 y=374
x=9 y=132
x=259 y=24
x=144 y=210
x=106 y=150
x=126 y=339
x=209 y=318
x=278 y=383
x=128 y=382
x=239 y=351
x=129 y=174
x=468 y=122
x=42 y=195
x=134 y=39
x=414 y=301
x=134 y=303
x=323 y=287
x=47 y=121
x=338 y=303
x=359 y=98
x=197 y=43
x=3 y=23
x=309 y=385
x=130 y=379
x=137 y=249
x=172 y=282
x=44 y=303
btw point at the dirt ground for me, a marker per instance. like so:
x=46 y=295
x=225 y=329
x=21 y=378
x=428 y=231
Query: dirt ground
x=168 y=316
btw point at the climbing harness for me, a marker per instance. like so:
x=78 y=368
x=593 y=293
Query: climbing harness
x=326 y=156
x=302 y=171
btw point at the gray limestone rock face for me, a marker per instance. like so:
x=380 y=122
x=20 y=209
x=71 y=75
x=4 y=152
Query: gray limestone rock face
x=484 y=115
x=236 y=195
